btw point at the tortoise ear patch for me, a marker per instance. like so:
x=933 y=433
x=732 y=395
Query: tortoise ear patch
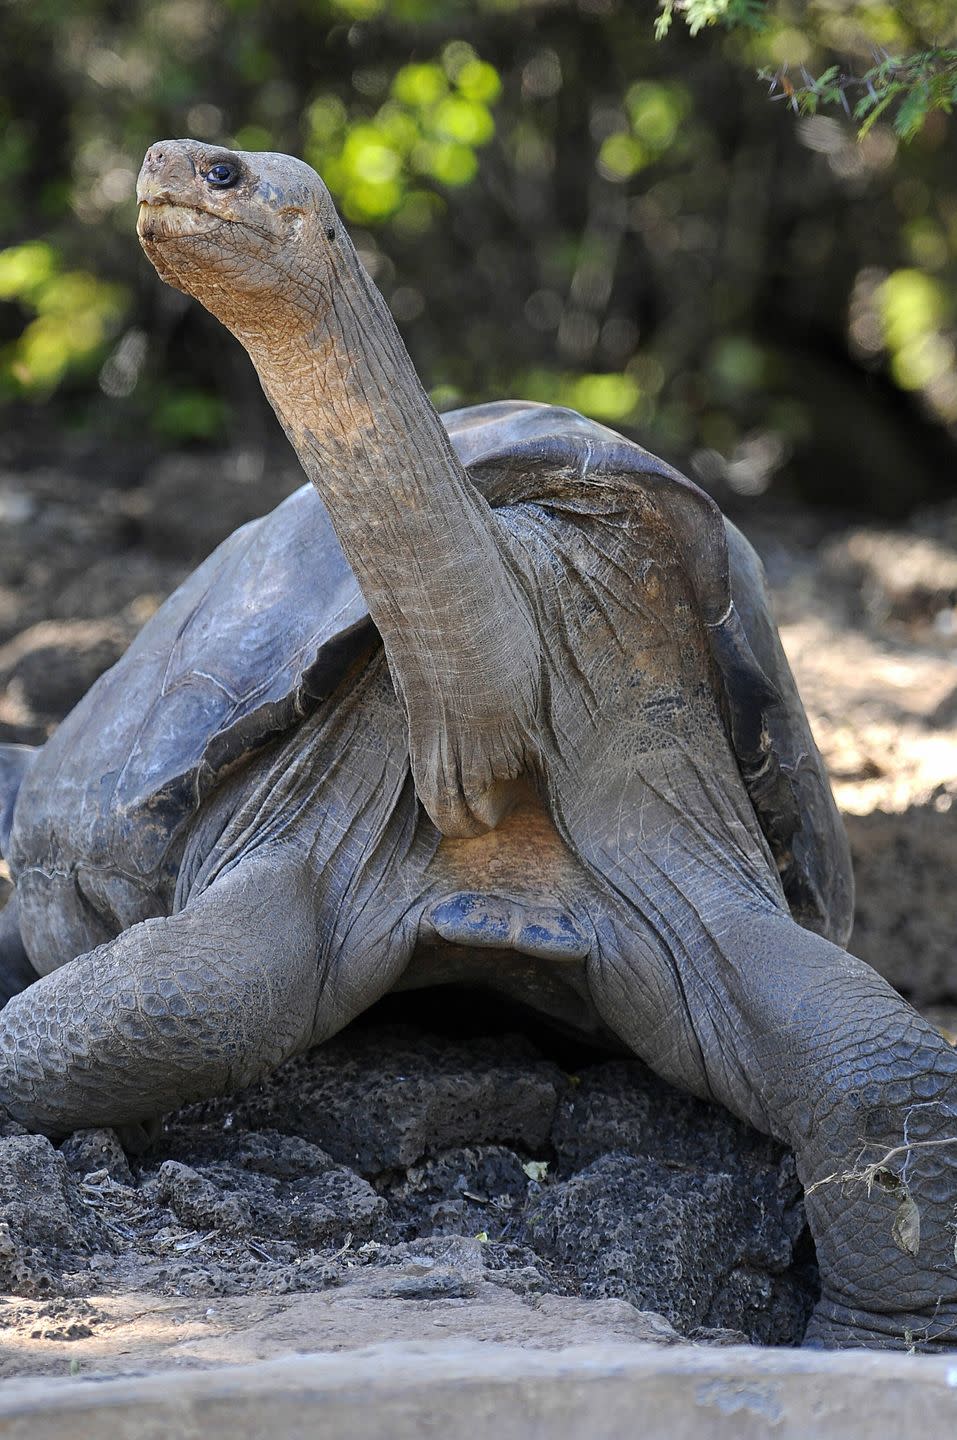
x=268 y=193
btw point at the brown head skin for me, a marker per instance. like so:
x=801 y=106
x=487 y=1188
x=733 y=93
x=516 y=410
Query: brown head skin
x=239 y=231
x=256 y=239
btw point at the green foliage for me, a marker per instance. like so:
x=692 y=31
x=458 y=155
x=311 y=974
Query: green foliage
x=654 y=114
x=428 y=131
x=905 y=90
x=181 y=414
x=915 y=85
x=913 y=309
x=699 y=14
x=73 y=315
x=615 y=398
x=904 y=87
x=554 y=204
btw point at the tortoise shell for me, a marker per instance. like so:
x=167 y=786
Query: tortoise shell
x=267 y=627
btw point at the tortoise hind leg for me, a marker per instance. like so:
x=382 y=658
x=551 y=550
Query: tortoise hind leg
x=183 y=1008
x=810 y=1045
x=16 y=972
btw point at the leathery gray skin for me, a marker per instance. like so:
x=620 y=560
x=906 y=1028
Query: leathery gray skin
x=551 y=762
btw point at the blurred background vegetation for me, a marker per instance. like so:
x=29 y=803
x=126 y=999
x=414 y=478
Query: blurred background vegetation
x=556 y=204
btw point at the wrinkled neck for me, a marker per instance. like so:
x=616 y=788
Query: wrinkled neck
x=347 y=394
x=413 y=527
x=435 y=567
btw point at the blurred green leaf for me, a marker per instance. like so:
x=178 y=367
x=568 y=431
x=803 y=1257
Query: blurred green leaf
x=420 y=86
x=656 y=111
x=603 y=397
x=477 y=80
x=26 y=269
x=433 y=124
x=74 y=315
x=621 y=156
x=184 y=415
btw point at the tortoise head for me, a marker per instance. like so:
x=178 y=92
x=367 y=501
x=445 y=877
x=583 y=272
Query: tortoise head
x=249 y=234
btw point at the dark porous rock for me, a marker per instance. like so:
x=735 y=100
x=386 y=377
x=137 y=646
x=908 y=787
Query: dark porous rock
x=517 y=1267
x=268 y=1152
x=492 y=1172
x=286 y=1157
x=45 y=1228
x=674 y=1205
x=381 y=1100
x=701 y=1247
x=327 y=1209
x=609 y=1184
x=199 y=1202
x=89 y=1152
x=318 y=1209
x=463 y=1191
x=622 y=1105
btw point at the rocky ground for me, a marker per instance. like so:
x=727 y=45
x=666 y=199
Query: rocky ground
x=446 y=1167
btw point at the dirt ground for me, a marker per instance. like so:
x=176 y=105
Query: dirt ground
x=447 y=1167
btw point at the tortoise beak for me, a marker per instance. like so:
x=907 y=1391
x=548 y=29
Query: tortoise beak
x=166 y=193
x=167 y=175
x=168 y=196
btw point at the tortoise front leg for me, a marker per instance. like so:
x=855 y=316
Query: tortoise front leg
x=16 y=972
x=812 y=1046
x=180 y=1009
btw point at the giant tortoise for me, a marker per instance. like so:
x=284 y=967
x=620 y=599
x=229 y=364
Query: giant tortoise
x=503 y=703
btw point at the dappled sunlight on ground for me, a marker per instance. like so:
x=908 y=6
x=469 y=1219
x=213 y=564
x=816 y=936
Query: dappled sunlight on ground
x=868 y=624
x=875 y=713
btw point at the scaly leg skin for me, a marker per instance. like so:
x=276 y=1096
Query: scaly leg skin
x=16 y=972
x=179 y=1009
x=810 y=1045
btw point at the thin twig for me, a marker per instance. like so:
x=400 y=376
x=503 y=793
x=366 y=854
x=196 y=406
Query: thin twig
x=869 y=1173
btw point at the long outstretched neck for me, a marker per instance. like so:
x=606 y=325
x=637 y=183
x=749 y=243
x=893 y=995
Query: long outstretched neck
x=369 y=440
x=418 y=535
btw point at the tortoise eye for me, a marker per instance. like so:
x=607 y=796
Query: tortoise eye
x=221 y=176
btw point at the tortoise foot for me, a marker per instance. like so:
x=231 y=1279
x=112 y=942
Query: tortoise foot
x=838 y=1327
